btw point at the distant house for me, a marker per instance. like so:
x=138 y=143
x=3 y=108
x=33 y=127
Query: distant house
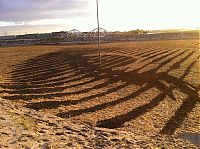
x=57 y=34
x=7 y=37
x=20 y=37
x=30 y=36
x=44 y=36
x=137 y=32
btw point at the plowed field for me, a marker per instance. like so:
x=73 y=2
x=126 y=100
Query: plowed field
x=145 y=87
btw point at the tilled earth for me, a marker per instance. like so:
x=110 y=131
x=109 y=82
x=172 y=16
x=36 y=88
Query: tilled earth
x=149 y=88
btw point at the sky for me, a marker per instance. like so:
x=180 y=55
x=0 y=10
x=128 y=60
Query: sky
x=39 y=16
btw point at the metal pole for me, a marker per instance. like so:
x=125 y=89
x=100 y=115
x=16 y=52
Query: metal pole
x=98 y=30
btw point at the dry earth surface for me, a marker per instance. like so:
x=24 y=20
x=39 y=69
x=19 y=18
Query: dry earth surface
x=141 y=95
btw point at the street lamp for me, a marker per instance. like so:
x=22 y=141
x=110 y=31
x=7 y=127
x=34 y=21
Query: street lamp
x=98 y=30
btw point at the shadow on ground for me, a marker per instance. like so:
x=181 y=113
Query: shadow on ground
x=49 y=76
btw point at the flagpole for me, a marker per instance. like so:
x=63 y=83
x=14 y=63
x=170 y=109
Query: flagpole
x=98 y=30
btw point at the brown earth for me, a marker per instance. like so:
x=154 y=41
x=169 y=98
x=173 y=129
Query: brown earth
x=146 y=88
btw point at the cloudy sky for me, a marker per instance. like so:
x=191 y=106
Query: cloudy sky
x=37 y=16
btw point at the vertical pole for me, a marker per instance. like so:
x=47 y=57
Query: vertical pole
x=98 y=30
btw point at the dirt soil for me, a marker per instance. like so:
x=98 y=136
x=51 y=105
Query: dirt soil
x=148 y=89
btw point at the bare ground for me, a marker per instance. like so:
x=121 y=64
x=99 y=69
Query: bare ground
x=146 y=88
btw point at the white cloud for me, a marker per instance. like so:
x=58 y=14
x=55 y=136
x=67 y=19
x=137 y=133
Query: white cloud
x=4 y=24
x=29 y=10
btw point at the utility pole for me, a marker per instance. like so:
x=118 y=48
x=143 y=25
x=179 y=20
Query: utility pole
x=98 y=30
